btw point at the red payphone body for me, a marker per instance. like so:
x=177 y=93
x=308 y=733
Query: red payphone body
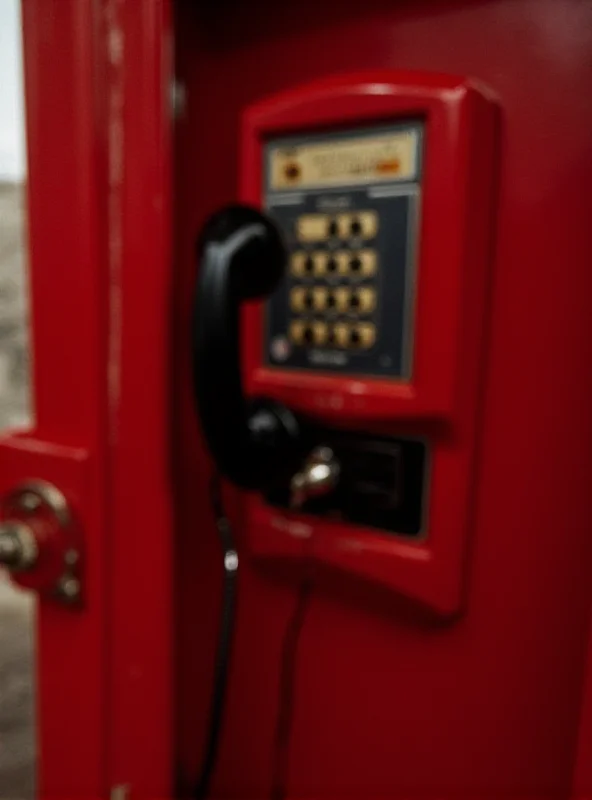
x=385 y=358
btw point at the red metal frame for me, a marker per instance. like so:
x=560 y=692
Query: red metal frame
x=97 y=80
x=67 y=445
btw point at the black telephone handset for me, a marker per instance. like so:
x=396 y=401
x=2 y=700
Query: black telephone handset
x=242 y=257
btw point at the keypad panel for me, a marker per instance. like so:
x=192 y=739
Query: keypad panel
x=346 y=303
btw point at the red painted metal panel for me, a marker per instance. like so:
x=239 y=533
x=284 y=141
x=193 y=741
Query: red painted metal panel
x=97 y=82
x=68 y=315
x=387 y=702
x=141 y=621
x=583 y=770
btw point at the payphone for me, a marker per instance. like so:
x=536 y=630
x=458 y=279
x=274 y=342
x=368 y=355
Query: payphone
x=338 y=338
x=360 y=261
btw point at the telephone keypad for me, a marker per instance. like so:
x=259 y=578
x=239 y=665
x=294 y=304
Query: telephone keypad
x=347 y=302
x=332 y=288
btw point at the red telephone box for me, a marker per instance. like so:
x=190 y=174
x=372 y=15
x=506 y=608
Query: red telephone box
x=306 y=502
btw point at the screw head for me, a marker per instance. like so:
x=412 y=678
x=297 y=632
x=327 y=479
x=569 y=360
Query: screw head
x=29 y=501
x=69 y=588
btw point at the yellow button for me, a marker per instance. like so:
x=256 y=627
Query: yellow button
x=342 y=295
x=319 y=298
x=320 y=263
x=298 y=297
x=363 y=335
x=344 y=225
x=341 y=334
x=363 y=300
x=297 y=331
x=368 y=221
x=312 y=227
x=297 y=262
x=343 y=258
x=362 y=263
x=320 y=332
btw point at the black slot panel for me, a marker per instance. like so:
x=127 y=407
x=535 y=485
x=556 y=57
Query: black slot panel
x=382 y=484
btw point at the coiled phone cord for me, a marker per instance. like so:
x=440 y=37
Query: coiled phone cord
x=225 y=639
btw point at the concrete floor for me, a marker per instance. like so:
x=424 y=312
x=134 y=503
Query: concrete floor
x=17 y=751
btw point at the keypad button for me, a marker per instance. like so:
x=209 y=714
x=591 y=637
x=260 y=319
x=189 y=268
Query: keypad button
x=368 y=224
x=297 y=263
x=312 y=227
x=366 y=332
x=298 y=299
x=319 y=298
x=296 y=331
x=368 y=263
x=341 y=330
x=320 y=332
x=342 y=295
x=363 y=300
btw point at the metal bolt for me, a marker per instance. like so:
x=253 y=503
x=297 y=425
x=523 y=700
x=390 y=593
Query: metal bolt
x=69 y=588
x=10 y=549
x=178 y=99
x=29 y=501
x=18 y=546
